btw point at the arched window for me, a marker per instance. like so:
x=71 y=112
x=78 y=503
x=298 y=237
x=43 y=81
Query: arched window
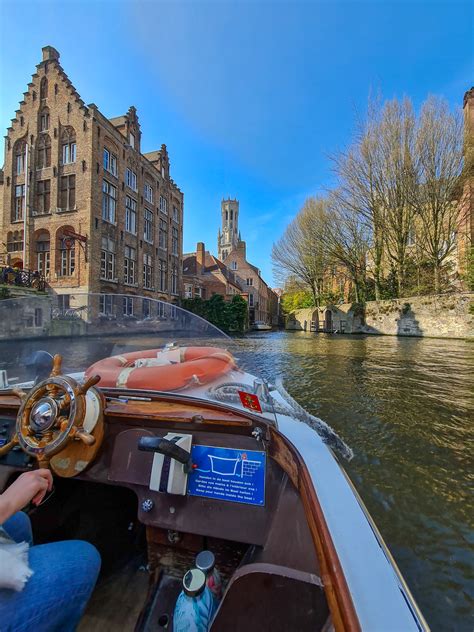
x=43 y=153
x=43 y=251
x=15 y=241
x=43 y=122
x=66 y=252
x=43 y=88
x=68 y=145
x=19 y=157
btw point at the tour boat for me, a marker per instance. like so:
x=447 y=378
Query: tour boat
x=163 y=443
x=261 y=325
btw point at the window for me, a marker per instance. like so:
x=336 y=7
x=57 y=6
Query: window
x=127 y=306
x=44 y=120
x=131 y=179
x=175 y=214
x=130 y=215
x=188 y=290
x=19 y=206
x=43 y=88
x=147 y=272
x=174 y=280
x=162 y=273
x=106 y=303
x=129 y=268
x=68 y=140
x=174 y=241
x=20 y=157
x=163 y=205
x=43 y=196
x=233 y=265
x=148 y=193
x=107 y=260
x=67 y=257
x=411 y=238
x=64 y=301
x=163 y=235
x=132 y=140
x=15 y=241
x=250 y=300
x=249 y=281
x=198 y=292
x=43 y=254
x=161 y=309
x=146 y=308
x=68 y=193
x=109 y=201
x=69 y=152
x=148 y=226
x=110 y=162
x=38 y=317
x=231 y=215
x=44 y=152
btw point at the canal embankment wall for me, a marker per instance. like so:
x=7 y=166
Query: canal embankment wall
x=439 y=316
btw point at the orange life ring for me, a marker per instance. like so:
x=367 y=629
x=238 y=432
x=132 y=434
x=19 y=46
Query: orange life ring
x=148 y=369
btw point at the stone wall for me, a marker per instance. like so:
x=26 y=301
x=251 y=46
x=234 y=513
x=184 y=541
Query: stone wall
x=439 y=316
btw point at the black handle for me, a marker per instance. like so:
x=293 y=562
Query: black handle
x=166 y=447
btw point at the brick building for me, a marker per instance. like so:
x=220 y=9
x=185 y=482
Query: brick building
x=80 y=203
x=205 y=275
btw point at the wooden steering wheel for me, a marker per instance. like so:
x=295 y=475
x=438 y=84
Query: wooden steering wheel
x=52 y=414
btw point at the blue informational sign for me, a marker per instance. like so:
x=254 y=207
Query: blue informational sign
x=225 y=474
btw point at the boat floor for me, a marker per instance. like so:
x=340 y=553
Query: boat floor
x=117 y=599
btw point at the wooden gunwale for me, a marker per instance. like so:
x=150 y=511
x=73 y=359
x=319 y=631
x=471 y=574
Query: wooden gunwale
x=339 y=598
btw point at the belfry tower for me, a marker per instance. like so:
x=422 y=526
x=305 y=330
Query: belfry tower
x=228 y=236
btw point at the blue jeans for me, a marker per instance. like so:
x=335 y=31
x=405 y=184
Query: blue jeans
x=55 y=596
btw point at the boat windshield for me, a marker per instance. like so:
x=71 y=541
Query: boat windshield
x=133 y=342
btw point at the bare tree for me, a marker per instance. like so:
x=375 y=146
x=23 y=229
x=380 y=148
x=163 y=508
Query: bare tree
x=393 y=176
x=435 y=192
x=357 y=189
x=347 y=241
x=301 y=253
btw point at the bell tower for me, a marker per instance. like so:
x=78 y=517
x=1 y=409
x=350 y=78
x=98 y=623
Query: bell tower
x=229 y=235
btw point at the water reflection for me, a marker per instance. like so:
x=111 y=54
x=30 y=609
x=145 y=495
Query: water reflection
x=405 y=407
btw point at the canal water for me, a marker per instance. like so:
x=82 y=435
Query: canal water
x=405 y=406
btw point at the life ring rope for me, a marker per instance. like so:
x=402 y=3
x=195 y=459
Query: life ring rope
x=196 y=365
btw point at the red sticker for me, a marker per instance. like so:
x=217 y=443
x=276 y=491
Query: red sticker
x=250 y=401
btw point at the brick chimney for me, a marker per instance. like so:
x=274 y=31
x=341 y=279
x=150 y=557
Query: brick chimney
x=50 y=53
x=200 y=257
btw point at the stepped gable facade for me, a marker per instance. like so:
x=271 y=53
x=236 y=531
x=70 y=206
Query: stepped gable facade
x=81 y=204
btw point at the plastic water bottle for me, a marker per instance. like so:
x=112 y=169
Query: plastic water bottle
x=195 y=605
x=206 y=562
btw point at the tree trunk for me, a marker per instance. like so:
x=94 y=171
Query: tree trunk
x=436 y=278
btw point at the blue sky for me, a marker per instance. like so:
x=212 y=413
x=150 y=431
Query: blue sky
x=251 y=98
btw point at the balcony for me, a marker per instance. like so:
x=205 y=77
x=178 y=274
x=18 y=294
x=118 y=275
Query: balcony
x=20 y=278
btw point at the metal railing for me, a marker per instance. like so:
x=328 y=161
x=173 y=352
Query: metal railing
x=22 y=278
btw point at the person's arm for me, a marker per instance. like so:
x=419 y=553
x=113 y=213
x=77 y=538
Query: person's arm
x=30 y=486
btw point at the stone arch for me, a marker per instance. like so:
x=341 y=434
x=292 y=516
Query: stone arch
x=315 y=320
x=44 y=88
x=42 y=251
x=65 y=261
x=19 y=157
x=328 y=323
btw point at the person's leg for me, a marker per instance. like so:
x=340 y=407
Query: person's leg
x=56 y=595
x=18 y=527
